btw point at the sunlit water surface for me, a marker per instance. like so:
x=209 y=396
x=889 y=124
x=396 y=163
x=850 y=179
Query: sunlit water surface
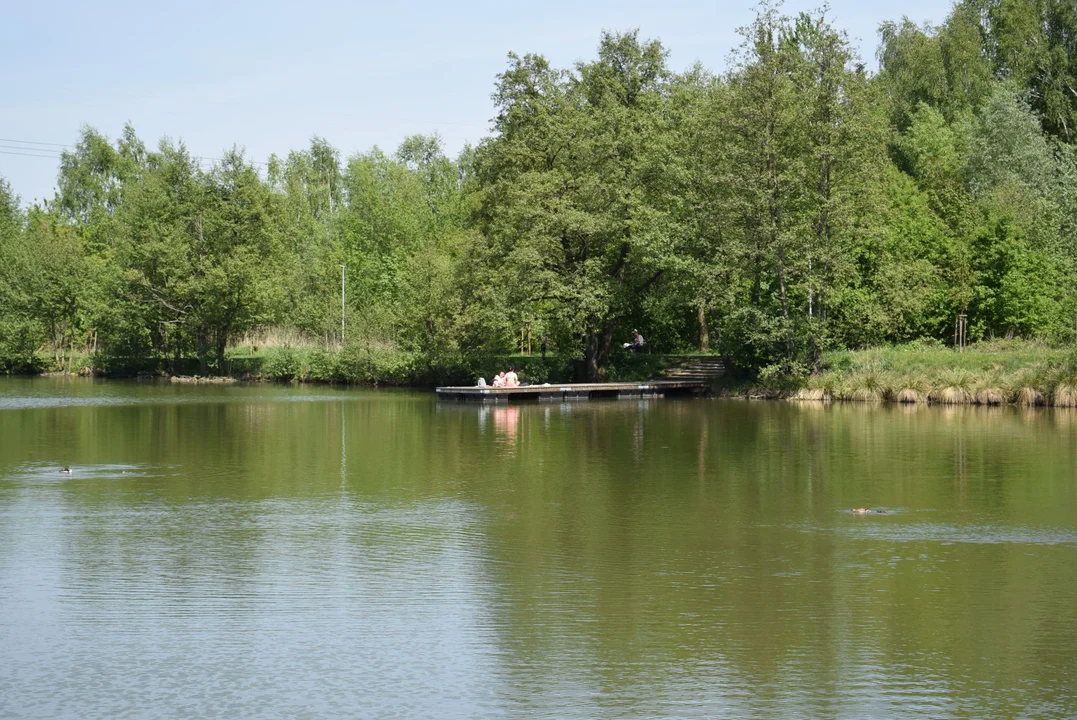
x=269 y=552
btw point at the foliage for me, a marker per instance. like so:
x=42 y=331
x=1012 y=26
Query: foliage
x=789 y=208
x=283 y=364
x=573 y=192
x=370 y=364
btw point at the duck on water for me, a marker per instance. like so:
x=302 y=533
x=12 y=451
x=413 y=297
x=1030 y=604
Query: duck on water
x=868 y=511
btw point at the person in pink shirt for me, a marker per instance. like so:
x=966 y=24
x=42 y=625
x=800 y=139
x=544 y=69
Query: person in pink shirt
x=511 y=380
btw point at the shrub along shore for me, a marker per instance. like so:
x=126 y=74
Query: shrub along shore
x=989 y=373
x=355 y=365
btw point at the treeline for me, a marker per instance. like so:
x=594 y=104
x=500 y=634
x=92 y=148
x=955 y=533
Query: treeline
x=793 y=204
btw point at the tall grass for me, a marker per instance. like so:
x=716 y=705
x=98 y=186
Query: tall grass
x=261 y=339
x=990 y=373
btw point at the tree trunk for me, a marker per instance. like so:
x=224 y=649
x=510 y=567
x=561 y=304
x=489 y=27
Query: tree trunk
x=175 y=351
x=776 y=230
x=704 y=334
x=55 y=344
x=590 y=358
x=222 y=342
x=202 y=352
x=790 y=342
x=756 y=259
x=605 y=342
x=597 y=353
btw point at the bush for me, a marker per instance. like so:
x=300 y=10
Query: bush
x=32 y=364
x=374 y=365
x=18 y=345
x=784 y=376
x=535 y=371
x=630 y=366
x=321 y=365
x=282 y=364
x=924 y=344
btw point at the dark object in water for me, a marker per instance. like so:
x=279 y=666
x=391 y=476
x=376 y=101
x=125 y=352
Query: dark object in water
x=66 y=470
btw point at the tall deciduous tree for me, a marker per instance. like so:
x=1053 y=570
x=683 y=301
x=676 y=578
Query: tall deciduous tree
x=199 y=254
x=573 y=190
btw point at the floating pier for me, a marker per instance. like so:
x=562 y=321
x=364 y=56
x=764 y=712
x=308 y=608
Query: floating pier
x=566 y=392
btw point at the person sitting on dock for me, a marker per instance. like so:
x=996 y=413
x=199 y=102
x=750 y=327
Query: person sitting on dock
x=499 y=380
x=511 y=379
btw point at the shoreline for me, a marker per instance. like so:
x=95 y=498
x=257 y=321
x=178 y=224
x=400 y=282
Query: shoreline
x=360 y=366
x=908 y=397
x=1018 y=372
x=1028 y=397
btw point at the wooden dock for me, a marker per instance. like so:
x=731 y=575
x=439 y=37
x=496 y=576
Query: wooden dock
x=566 y=392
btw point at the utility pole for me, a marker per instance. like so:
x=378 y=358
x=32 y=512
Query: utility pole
x=342 y=306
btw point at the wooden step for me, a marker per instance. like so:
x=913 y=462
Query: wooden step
x=698 y=369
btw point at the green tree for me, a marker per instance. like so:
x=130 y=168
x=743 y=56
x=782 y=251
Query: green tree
x=92 y=179
x=574 y=192
x=309 y=186
x=1034 y=44
x=705 y=273
x=19 y=333
x=199 y=254
x=49 y=285
x=402 y=231
x=236 y=247
x=10 y=212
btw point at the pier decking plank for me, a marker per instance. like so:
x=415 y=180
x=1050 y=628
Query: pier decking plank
x=571 y=391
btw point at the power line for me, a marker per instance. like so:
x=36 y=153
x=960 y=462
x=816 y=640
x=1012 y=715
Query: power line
x=200 y=158
x=49 y=157
x=20 y=147
x=33 y=142
x=7 y=150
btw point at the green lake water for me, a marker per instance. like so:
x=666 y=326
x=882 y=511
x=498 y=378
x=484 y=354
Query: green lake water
x=289 y=552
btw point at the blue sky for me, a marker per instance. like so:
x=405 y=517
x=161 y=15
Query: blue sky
x=268 y=75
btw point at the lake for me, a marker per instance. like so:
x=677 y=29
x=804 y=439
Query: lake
x=260 y=551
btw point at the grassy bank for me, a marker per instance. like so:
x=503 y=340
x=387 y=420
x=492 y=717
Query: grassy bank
x=990 y=373
x=364 y=365
x=390 y=367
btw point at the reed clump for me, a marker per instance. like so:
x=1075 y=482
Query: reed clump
x=1064 y=396
x=1029 y=397
x=949 y=395
x=811 y=393
x=866 y=387
x=954 y=386
x=990 y=396
x=910 y=395
x=914 y=388
x=991 y=373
